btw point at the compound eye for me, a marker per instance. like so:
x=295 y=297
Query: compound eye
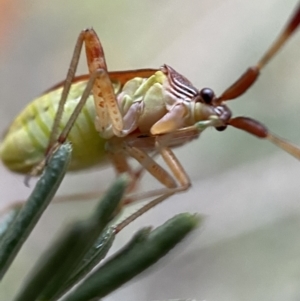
x=207 y=95
x=221 y=128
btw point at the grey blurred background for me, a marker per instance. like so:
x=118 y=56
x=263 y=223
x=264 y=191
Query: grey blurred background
x=248 y=190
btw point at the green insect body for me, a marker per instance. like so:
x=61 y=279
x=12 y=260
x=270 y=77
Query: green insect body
x=27 y=138
x=127 y=105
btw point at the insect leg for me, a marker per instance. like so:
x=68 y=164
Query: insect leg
x=168 y=180
x=141 y=211
x=162 y=145
x=178 y=172
x=120 y=150
x=118 y=157
x=107 y=110
x=175 y=166
x=151 y=166
x=66 y=89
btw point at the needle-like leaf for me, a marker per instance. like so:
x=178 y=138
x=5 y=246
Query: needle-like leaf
x=58 y=269
x=142 y=251
x=32 y=210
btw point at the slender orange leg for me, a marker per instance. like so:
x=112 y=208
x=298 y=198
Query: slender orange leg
x=109 y=120
x=157 y=171
x=119 y=150
x=178 y=174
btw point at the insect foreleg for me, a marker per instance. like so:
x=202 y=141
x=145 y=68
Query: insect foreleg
x=117 y=124
x=119 y=152
x=119 y=160
x=162 y=145
x=151 y=166
x=141 y=211
x=178 y=174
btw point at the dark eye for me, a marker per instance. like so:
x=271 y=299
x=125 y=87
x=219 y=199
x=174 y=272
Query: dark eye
x=207 y=95
x=221 y=128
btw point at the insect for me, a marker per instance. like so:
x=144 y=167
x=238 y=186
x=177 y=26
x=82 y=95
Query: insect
x=136 y=113
x=98 y=158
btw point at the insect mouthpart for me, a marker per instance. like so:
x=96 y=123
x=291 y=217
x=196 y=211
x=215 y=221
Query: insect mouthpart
x=224 y=113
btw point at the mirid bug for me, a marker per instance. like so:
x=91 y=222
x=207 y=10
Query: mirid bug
x=136 y=112
x=208 y=200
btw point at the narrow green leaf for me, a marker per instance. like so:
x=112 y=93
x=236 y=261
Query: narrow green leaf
x=34 y=207
x=8 y=218
x=98 y=252
x=62 y=260
x=46 y=269
x=143 y=251
x=92 y=258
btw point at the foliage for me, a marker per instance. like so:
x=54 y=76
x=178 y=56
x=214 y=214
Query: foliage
x=84 y=244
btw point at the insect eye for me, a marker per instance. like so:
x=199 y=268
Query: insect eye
x=207 y=95
x=221 y=128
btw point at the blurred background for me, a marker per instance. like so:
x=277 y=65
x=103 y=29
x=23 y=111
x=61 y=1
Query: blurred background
x=247 y=189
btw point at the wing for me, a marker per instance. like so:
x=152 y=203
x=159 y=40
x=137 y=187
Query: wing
x=116 y=76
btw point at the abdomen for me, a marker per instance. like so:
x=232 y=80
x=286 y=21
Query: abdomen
x=27 y=138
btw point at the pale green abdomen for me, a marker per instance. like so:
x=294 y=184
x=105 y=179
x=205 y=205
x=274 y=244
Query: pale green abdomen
x=27 y=138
